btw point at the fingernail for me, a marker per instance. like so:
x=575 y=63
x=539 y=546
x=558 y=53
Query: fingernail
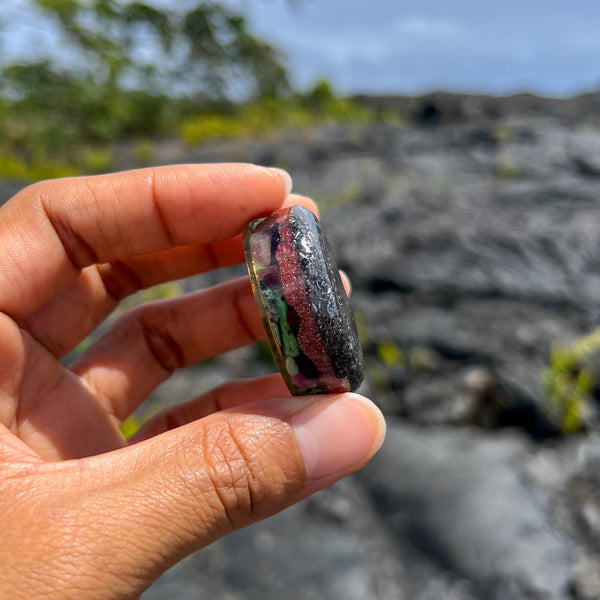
x=346 y=281
x=287 y=180
x=338 y=436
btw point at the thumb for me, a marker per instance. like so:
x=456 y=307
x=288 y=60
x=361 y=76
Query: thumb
x=185 y=488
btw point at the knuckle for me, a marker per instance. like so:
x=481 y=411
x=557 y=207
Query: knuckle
x=248 y=469
x=39 y=189
x=160 y=340
x=234 y=470
x=153 y=325
x=119 y=279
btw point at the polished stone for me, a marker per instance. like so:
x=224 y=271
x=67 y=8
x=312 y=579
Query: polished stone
x=303 y=304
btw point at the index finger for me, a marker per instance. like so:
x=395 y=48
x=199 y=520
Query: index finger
x=52 y=230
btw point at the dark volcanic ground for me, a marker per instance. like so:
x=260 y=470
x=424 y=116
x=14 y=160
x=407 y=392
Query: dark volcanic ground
x=472 y=239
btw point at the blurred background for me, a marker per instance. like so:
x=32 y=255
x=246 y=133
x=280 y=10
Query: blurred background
x=454 y=150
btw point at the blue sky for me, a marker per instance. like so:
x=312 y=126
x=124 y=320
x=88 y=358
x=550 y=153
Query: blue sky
x=550 y=47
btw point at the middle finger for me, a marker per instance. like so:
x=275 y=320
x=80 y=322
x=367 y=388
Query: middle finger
x=62 y=322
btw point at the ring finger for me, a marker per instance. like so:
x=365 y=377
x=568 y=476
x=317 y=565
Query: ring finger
x=149 y=342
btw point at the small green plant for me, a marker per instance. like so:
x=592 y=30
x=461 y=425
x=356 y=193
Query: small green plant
x=130 y=426
x=390 y=354
x=569 y=383
x=504 y=133
x=422 y=359
x=144 y=152
x=362 y=326
x=507 y=166
x=162 y=291
x=96 y=159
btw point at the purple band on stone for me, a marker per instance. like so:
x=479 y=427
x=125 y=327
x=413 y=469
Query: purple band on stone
x=302 y=302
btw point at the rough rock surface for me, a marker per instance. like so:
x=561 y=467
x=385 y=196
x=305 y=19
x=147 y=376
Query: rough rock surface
x=471 y=235
x=461 y=501
x=307 y=552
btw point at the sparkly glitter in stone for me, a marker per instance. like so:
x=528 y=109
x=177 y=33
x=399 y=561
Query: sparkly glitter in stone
x=303 y=304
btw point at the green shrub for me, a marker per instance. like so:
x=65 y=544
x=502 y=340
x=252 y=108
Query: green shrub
x=144 y=152
x=14 y=167
x=569 y=383
x=204 y=128
x=300 y=111
x=95 y=159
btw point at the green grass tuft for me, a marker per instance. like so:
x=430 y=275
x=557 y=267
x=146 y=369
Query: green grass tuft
x=568 y=383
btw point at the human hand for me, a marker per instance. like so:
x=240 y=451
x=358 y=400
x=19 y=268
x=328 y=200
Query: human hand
x=87 y=514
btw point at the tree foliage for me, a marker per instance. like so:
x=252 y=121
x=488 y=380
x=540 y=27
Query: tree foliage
x=200 y=48
x=130 y=68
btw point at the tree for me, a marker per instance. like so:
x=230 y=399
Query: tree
x=129 y=67
x=199 y=48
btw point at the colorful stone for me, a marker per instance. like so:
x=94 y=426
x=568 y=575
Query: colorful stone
x=303 y=304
